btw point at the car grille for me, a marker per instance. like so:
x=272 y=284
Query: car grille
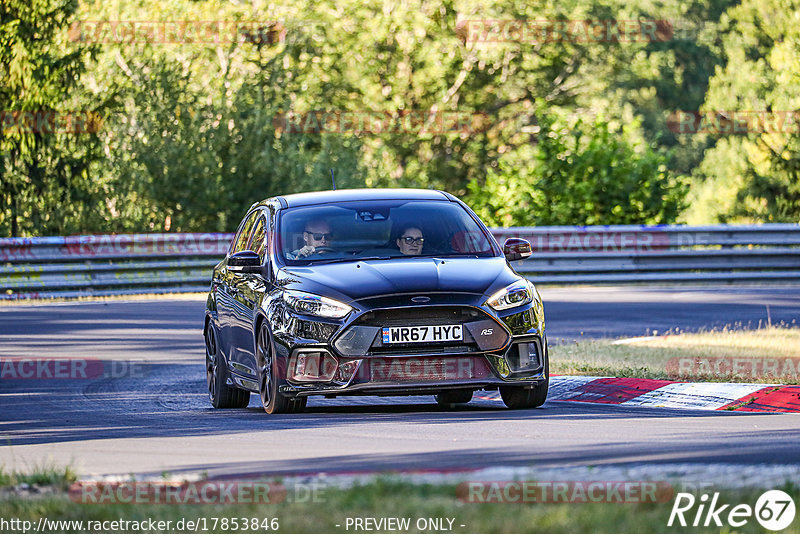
x=421 y=315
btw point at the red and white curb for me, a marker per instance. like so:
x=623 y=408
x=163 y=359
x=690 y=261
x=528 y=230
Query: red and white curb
x=670 y=394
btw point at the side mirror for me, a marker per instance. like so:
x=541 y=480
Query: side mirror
x=516 y=249
x=245 y=261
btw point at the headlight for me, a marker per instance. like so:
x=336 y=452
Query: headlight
x=310 y=304
x=517 y=294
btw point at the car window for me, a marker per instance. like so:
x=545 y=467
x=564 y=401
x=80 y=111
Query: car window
x=243 y=236
x=354 y=230
x=258 y=242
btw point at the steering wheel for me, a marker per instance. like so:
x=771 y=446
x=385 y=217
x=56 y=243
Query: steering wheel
x=323 y=250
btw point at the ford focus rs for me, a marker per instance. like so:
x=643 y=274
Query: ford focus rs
x=371 y=292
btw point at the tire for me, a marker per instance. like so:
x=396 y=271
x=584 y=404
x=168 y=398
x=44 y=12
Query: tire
x=454 y=396
x=518 y=398
x=298 y=405
x=220 y=393
x=271 y=399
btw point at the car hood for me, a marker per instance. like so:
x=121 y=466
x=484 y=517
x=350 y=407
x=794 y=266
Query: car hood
x=357 y=280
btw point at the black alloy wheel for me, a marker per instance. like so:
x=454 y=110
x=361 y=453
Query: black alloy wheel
x=272 y=400
x=220 y=393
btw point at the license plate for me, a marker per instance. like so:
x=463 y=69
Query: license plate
x=422 y=334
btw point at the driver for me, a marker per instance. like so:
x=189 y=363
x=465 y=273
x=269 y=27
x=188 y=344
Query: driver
x=317 y=233
x=410 y=241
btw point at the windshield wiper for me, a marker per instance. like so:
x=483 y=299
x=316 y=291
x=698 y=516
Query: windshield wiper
x=353 y=258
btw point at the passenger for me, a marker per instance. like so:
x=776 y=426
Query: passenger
x=410 y=241
x=316 y=234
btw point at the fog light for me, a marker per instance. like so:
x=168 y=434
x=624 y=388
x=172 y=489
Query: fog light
x=312 y=366
x=346 y=370
x=524 y=357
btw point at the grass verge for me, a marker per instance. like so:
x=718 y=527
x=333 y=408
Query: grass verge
x=766 y=355
x=381 y=499
x=45 y=475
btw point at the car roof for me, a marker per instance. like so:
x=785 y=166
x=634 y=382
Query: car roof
x=345 y=195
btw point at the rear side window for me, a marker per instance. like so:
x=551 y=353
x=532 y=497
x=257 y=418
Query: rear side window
x=243 y=235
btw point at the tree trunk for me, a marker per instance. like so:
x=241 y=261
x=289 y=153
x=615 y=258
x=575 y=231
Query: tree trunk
x=14 y=227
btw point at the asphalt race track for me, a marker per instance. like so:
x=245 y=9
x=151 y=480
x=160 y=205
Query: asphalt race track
x=156 y=417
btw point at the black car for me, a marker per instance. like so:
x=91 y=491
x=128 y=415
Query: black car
x=371 y=292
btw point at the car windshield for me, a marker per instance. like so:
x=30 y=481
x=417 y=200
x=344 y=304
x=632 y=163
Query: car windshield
x=386 y=229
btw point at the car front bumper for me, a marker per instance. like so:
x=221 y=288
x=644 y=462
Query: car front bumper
x=513 y=353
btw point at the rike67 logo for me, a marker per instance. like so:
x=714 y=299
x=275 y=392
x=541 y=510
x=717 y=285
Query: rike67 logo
x=774 y=510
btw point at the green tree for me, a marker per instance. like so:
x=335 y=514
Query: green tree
x=45 y=183
x=584 y=174
x=192 y=139
x=754 y=176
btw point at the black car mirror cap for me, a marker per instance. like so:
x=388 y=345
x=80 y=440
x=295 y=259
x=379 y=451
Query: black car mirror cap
x=245 y=261
x=516 y=249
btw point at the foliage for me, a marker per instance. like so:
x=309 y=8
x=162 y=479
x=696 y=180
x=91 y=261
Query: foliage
x=45 y=184
x=757 y=173
x=583 y=173
x=575 y=131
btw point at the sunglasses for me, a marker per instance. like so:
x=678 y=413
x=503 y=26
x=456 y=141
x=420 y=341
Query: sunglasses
x=413 y=240
x=319 y=236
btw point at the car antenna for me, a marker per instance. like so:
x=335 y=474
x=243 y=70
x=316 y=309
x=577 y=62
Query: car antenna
x=333 y=180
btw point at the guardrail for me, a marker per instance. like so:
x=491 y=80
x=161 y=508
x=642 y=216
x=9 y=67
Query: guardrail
x=74 y=266
x=623 y=254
